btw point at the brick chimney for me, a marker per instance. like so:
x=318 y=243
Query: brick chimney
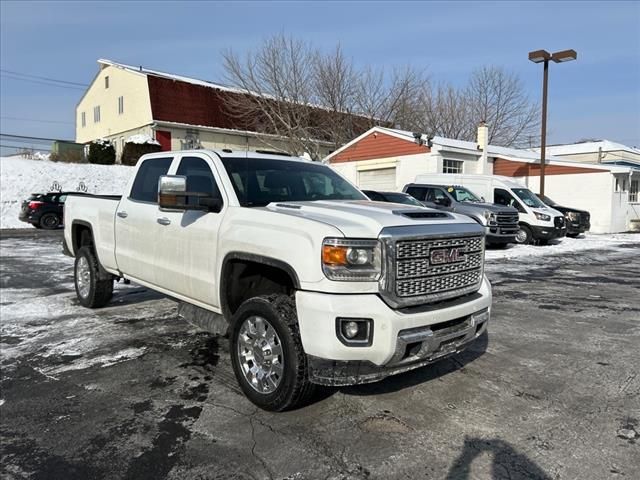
x=482 y=140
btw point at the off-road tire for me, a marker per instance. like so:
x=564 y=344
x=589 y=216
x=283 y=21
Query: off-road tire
x=527 y=232
x=49 y=221
x=294 y=389
x=100 y=283
x=573 y=235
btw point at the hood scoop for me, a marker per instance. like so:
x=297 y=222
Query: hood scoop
x=420 y=214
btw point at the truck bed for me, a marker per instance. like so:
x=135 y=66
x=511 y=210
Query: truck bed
x=97 y=212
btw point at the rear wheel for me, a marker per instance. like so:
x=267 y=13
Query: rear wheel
x=94 y=289
x=50 y=221
x=267 y=355
x=524 y=235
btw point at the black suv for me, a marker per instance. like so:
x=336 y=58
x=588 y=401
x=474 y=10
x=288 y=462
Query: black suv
x=44 y=210
x=578 y=221
x=394 y=197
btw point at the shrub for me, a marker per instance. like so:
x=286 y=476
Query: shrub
x=102 y=152
x=70 y=156
x=133 y=151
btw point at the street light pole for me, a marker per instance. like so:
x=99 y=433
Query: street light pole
x=543 y=128
x=542 y=56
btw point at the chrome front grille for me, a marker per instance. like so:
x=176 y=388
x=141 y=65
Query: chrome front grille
x=416 y=275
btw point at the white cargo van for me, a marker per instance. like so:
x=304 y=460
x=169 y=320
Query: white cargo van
x=538 y=222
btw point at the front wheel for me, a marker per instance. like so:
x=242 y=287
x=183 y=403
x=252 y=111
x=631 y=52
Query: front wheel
x=524 y=235
x=267 y=355
x=92 y=288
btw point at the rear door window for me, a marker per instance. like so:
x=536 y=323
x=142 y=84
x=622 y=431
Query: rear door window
x=145 y=186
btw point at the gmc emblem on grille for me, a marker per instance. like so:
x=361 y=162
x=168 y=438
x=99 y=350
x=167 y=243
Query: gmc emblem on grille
x=446 y=255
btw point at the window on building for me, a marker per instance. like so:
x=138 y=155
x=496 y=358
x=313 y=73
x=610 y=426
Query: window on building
x=617 y=184
x=96 y=114
x=633 y=191
x=120 y=105
x=106 y=81
x=83 y=117
x=451 y=166
x=145 y=186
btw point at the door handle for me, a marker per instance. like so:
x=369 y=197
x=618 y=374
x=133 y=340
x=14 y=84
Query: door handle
x=163 y=221
x=122 y=214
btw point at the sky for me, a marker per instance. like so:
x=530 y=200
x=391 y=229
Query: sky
x=597 y=96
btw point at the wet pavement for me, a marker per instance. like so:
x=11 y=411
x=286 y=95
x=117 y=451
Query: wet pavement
x=131 y=391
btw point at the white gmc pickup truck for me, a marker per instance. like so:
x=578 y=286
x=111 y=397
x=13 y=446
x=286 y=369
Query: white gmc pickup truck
x=312 y=282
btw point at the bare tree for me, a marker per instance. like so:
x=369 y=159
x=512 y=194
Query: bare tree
x=314 y=99
x=395 y=101
x=277 y=85
x=445 y=112
x=335 y=89
x=498 y=97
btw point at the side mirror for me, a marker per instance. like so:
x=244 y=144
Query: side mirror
x=172 y=192
x=482 y=198
x=444 y=202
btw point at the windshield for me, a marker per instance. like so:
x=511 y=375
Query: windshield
x=402 y=198
x=259 y=181
x=461 y=194
x=528 y=197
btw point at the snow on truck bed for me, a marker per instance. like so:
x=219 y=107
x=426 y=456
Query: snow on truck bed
x=20 y=177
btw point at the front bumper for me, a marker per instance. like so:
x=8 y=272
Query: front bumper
x=574 y=228
x=547 y=233
x=402 y=339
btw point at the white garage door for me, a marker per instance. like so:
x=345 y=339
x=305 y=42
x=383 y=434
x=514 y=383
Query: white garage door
x=381 y=180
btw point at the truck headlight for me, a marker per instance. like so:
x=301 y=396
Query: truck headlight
x=351 y=260
x=489 y=216
x=573 y=216
x=543 y=217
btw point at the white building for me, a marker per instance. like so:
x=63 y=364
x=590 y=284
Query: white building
x=388 y=159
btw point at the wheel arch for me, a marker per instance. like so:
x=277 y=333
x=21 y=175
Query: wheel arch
x=256 y=273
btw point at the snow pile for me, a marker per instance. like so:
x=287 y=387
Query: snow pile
x=142 y=139
x=41 y=156
x=565 y=245
x=20 y=177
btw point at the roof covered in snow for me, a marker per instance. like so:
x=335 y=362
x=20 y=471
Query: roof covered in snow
x=589 y=147
x=507 y=153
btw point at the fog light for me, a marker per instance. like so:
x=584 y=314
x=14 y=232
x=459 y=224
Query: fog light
x=350 y=329
x=355 y=332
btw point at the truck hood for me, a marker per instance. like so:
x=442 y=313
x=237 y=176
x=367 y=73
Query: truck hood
x=364 y=218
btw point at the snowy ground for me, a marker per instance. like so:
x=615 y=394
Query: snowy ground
x=21 y=177
x=588 y=241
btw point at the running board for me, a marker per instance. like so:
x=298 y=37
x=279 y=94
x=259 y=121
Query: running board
x=204 y=319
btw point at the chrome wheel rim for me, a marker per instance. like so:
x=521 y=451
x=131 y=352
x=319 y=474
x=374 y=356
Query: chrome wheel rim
x=260 y=354
x=521 y=236
x=83 y=277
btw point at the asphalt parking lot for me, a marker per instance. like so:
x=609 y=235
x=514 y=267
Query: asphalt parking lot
x=131 y=391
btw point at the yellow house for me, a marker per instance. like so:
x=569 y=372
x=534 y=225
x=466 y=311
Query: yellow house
x=179 y=112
